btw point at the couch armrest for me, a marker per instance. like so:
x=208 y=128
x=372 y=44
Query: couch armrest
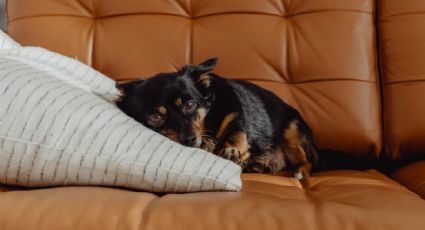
x=413 y=177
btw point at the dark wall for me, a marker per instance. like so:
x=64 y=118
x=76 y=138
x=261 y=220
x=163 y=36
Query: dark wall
x=2 y=15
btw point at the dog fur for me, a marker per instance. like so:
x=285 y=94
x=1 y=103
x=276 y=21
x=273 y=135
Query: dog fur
x=234 y=119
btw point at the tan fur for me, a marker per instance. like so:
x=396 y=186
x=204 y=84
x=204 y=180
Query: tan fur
x=291 y=135
x=205 y=80
x=241 y=143
x=202 y=113
x=172 y=134
x=294 y=151
x=162 y=110
x=226 y=121
x=178 y=101
x=272 y=160
x=238 y=148
x=208 y=144
x=198 y=125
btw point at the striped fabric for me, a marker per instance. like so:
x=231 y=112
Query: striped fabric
x=59 y=126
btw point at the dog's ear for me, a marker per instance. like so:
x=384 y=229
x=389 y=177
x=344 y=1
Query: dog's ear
x=200 y=72
x=128 y=86
x=208 y=65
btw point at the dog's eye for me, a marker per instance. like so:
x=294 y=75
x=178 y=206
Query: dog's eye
x=189 y=106
x=155 y=119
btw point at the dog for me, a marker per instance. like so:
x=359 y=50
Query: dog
x=234 y=119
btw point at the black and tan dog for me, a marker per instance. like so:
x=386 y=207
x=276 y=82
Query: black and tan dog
x=234 y=119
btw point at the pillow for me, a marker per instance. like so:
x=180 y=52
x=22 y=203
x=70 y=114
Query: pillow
x=59 y=126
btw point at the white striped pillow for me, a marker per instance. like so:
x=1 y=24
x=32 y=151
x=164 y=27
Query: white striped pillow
x=59 y=126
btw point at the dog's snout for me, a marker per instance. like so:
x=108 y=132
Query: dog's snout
x=189 y=140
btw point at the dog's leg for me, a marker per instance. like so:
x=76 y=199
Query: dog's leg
x=235 y=148
x=296 y=148
x=271 y=161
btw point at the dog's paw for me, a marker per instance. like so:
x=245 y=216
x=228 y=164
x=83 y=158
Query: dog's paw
x=299 y=175
x=230 y=153
x=208 y=145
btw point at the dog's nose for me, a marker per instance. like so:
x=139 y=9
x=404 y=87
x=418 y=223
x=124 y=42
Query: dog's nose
x=190 y=140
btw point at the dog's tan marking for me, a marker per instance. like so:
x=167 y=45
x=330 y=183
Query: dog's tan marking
x=294 y=151
x=291 y=135
x=226 y=121
x=198 y=124
x=201 y=114
x=241 y=143
x=208 y=144
x=237 y=149
x=162 y=110
x=170 y=133
x=205 y=80
x=178 y=101
x=270 y=162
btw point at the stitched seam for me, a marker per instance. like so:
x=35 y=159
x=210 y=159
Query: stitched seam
x=193 y=17
x=381 y=82
x=146 y=213
x=403 y=14
x=289 y=83
x=405 y=81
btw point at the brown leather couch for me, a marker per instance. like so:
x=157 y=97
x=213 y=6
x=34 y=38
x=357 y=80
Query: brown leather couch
x=354 y=68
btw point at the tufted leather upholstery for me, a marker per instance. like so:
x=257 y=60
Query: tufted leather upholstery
x=318 y=55
x=403 y=51
x=337 y=200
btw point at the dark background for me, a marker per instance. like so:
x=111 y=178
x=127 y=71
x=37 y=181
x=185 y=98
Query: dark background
x=2 y=16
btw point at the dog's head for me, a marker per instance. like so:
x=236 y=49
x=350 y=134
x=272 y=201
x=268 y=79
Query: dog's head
x=174 y=104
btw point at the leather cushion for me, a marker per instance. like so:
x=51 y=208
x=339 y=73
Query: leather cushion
x=334 y=200
x=73 y=208
x=413 y=177
x=403 y=51
x=318 y=56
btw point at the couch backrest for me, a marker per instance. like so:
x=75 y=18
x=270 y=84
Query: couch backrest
x=319 y=56
x=402 y=39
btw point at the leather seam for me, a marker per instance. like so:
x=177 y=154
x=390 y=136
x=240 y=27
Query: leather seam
x=146 y=212
x=50 y=15
x=191 y=40
x=385 y=152
x=288 y=83
x=186 y=11
x=403 y=14
x=316 y=81
x=405 y=82
x=91 y=46
x=88 y=11
x=192 y=17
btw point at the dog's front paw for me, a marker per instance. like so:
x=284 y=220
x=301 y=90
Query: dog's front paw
x=208 y=145
x=230 y=153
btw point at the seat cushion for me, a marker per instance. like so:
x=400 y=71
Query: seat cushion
x=333 y=200
x=413 y=177
x=72 y=208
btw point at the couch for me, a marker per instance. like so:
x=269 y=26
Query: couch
x=354 y=69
